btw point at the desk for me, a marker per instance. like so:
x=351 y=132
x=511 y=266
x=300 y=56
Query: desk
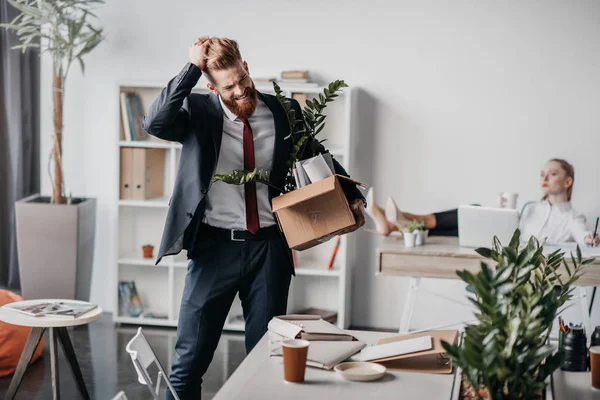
x=261 y=377
x=441 y=257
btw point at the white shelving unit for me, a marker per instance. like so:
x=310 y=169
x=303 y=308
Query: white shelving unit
x=139 y=222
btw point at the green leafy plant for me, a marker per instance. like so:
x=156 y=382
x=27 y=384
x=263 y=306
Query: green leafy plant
x=63 y=28
x=506 y=353
x=412 y=226
x=303 y=132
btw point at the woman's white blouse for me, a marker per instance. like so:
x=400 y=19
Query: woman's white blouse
x=556 y=223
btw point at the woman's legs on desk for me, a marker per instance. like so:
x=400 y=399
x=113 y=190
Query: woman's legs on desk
x=444 y=223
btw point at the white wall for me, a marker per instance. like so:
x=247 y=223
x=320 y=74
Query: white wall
x=460 y=100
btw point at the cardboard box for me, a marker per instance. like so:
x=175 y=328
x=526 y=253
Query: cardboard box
x=314 y=213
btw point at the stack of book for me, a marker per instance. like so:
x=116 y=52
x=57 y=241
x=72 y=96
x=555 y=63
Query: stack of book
x=329 y=345
x=296 y=78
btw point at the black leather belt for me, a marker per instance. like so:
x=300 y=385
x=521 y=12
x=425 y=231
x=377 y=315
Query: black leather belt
x=235 y=235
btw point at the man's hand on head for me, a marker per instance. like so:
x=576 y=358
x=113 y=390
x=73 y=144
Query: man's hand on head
x=198 y=52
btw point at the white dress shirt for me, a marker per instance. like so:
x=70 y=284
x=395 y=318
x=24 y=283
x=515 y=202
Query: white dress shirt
x=557 y=223
x=225 y=203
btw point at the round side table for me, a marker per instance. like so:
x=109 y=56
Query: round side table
x=57 y=329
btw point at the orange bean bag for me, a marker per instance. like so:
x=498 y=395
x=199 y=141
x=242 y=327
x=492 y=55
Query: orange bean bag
x=13 y=338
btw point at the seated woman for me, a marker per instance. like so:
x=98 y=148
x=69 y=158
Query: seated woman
x=552 y=218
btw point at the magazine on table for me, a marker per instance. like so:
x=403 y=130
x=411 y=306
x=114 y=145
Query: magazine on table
x=53 y=309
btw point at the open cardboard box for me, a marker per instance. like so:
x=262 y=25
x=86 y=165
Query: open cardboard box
x=315 y=213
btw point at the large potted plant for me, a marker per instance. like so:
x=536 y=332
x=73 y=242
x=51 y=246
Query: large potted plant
x=55 y=234
x=506 y=355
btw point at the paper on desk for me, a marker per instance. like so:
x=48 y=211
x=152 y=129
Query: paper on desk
x=317 y=168
x=392 y=349
x=571 y=247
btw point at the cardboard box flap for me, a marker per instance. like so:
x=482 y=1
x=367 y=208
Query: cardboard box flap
x=358 y=183
x=305 y=193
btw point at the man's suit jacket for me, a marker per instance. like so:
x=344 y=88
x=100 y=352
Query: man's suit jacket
x=196 y=121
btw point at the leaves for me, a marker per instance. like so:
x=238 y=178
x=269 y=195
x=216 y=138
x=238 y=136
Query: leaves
x=63 y=24
x=238 y=177
x=517 y=301
x=304 y=131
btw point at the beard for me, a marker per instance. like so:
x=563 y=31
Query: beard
x=243 y=109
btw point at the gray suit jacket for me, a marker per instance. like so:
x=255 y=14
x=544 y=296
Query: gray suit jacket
x=196 y=121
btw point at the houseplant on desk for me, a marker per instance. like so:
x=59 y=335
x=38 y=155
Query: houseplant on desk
x=56 y=261
x=506 y=355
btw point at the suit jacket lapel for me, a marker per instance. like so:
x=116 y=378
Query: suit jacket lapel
x=215 y=112
x=281 y=148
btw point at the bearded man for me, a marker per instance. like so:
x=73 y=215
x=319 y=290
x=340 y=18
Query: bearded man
x=229 y=231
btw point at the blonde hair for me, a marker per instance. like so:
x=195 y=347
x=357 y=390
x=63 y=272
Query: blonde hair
x=222 y=53
x=570 y=171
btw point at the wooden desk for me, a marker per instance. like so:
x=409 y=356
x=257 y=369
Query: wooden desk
x=261 y=377
x=441 y=257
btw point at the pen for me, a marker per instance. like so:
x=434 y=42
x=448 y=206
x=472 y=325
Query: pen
x=595 y=231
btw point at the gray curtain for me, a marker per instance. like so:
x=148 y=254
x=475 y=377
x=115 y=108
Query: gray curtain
x=19 y=140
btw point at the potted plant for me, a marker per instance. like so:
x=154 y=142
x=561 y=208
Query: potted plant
x=414 y=233
x=506 y=355
x=55 y=235
x=147 y=251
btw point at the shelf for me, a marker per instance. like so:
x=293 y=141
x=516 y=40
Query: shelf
x=141 y=261
x=181 y=264
x=236 y=326
x=145 y=321
x=146 y=144
x=316 y=270
x=160 y=202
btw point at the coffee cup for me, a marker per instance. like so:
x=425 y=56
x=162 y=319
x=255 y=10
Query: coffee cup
x=295 y=353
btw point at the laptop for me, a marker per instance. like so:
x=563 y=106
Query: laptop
x=478 y=225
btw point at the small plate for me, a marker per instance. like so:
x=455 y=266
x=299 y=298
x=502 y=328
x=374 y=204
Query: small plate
x=360 y=371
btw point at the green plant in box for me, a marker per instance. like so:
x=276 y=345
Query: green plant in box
x=303 y=134
x=507 y=353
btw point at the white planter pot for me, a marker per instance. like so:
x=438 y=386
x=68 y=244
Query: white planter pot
x=410 y=239
x=55 y=245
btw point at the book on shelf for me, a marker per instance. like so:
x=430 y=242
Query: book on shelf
x=334 y=254
x=64 y=309
x=132 y=113
x=130 y=300
x=295 y=74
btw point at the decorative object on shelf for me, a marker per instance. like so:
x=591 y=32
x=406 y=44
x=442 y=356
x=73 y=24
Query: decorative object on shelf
x=63 y=28
x=303 y=133
x=148 y=251
x=130 y=300
x=506 y=355
x=414 y=233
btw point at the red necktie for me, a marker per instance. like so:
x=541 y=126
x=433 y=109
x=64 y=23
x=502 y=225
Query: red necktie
x=252 y=222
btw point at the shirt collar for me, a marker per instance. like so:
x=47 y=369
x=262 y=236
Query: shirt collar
x=562 y=207
x=227 y=111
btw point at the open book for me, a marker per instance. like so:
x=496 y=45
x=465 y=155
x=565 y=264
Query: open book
x=326 y=355
x=308 y=327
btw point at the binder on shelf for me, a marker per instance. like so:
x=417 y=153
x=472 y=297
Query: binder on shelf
x=300 y=98
x=148 y=173
x=126 y=183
